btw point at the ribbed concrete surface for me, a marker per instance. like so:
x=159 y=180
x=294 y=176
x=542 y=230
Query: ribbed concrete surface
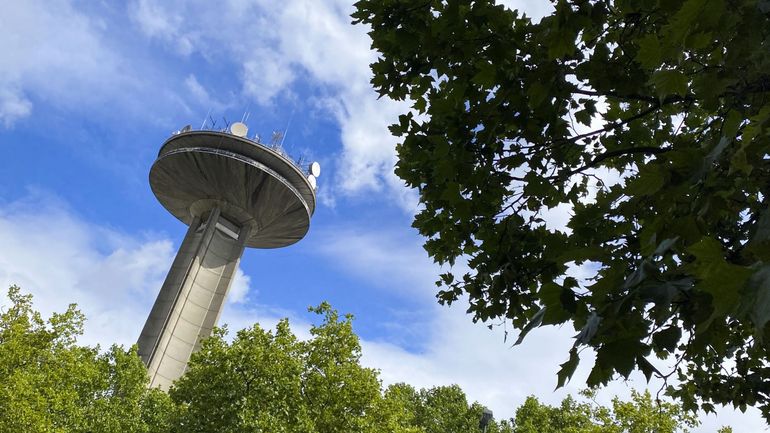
x=191 y=298
x=252 y=184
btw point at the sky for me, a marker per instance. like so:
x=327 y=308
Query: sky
x=89 y=90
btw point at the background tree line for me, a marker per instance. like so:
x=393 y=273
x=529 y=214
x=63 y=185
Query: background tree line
x=261 y=381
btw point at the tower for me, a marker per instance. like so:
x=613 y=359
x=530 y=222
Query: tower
x=232 y=192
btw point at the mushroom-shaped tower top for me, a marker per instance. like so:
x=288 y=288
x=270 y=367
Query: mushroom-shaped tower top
x=254 y=186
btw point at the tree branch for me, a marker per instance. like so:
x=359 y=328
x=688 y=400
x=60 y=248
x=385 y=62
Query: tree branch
x=647 y=150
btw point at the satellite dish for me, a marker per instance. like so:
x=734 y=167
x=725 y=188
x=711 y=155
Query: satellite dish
x=315 y=169
x=187 y=128
x=312 y=180
x=239 y=129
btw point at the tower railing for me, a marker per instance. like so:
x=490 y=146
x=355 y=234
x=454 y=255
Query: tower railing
x=276 y=147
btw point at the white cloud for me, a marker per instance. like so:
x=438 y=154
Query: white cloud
x=49 y=251
x=275 y=45
x=59 y=258
x=54 y=52
x=202 y=97
x=385 y=259
x=534 y=9
x=266 y=76
x=156 y=21
x=196 y=89
x=13 y=106
x=240 y=288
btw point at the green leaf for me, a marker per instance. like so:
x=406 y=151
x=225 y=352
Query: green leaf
x=667 y=339
x=649 y=54
x=669 y=82
x=758 y=297
x=716 y=277
x=646 y=368
x=537 y=319
x=537 y=94
x=567 y=369
x=486 y=75
x=665 y=245
x=589 y=329
x=550 y=295
x=713 y=156
x=739 y=163
x=649 y=181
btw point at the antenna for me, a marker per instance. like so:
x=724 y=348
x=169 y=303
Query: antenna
x=315 y=169
x=213 y=122
x=227 y=124
x=286 y=131
x=246 y=114
x=204 y=119
x=277 y=139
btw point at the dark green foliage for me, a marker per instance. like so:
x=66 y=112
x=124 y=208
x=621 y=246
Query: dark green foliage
x=513 y=117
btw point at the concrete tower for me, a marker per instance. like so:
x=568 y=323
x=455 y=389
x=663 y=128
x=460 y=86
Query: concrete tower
x=232 y=192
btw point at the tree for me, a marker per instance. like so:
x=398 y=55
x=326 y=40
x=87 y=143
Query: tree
x=265 y=381
x=639 y=415
x=261 y=381
x=271 y=381
x=646 y=121
x=445 y=409
x=435 y=410
x=50 y=384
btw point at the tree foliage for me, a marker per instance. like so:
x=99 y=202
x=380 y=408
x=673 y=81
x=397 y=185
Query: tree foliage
x=50 y=384
x=271 y=381
x=639 y=415
x=647 y=121
x=261 y=381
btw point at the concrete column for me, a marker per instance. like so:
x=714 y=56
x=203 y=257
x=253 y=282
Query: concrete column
x=191 y=299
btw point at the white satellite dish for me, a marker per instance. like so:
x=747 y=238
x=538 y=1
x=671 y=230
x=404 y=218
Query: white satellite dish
x=315 y=169
x=312 y=180
x=239 y=129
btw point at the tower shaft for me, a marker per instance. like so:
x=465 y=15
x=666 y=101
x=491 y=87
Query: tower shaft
x=191 y=299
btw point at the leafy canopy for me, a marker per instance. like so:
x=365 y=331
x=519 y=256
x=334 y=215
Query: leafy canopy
x=272 y=381
x=261 y=381
x=50 y=384
x=647 y=122
x=639 y=415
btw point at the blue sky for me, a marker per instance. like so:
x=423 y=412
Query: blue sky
x=89 y=90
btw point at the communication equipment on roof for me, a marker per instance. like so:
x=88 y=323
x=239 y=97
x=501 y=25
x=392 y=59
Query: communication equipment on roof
x=239 y=129
x=187 y=128
x=315 y=169
x=312 y=180
x=277 y=138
